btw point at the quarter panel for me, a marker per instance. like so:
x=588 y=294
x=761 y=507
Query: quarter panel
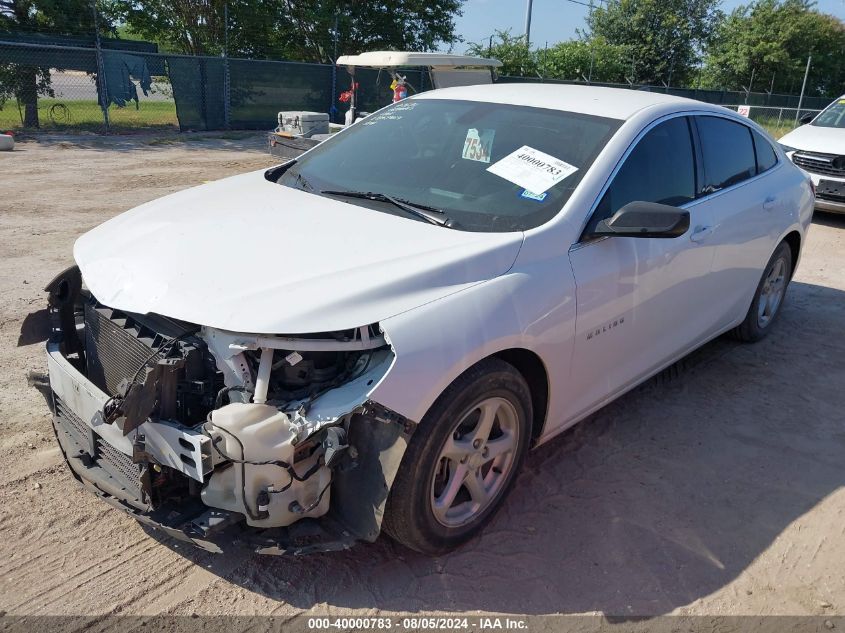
x=746 y=232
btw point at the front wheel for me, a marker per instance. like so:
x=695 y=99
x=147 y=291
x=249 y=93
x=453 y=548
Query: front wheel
x=462 y=459
x=769 y=296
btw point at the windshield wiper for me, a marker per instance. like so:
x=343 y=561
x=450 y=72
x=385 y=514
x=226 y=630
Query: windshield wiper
x=418 y=210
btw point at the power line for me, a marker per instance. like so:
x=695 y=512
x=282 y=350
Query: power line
x=529 y=7
x=586 y=4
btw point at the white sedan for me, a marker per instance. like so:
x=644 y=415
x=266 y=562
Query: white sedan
x=819 y=149
x=373 y=335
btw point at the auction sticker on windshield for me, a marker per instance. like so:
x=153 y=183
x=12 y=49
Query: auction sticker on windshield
x=532 y=169
x=478 y=145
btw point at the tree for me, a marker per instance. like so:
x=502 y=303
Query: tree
x=198 y=27
x=62 y=17
x=663 y=38
x=293 y=29
x=593 y=60
x=770 y=40
x=513 y=51
x=417 y=25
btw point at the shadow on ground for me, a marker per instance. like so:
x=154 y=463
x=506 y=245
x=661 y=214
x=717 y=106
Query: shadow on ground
x=826 y=218
x=235 y=140
x=659 y=499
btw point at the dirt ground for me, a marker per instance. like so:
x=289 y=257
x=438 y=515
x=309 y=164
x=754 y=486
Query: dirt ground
x=718 y=489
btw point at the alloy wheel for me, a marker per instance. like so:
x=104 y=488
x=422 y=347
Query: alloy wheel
x=771 y=294
x=475 y=462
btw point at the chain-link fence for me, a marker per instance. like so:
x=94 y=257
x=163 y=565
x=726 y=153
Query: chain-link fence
x=776 y=121
x=57 y=87
x=718 y=97
x=49 y=85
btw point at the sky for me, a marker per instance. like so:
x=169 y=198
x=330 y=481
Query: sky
x=553 y=21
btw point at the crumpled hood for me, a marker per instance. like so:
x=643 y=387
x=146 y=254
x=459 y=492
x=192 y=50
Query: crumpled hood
x=248 y=255
x=812 y=138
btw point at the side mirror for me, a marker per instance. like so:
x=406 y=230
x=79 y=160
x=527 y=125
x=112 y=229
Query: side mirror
x=806 y=118
x=644 y=219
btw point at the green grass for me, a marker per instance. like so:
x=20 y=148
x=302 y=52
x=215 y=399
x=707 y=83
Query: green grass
x=775 y=129
x=86 y=115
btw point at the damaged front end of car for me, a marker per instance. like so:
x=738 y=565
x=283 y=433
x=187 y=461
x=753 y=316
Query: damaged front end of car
x=219 y=437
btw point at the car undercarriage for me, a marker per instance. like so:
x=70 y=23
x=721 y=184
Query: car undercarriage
x=221 y=438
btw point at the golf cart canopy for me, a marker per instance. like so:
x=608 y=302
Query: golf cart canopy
x=446 y=70
x=386 y=59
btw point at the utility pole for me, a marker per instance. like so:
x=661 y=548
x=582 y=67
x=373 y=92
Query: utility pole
x=803 y=87
x=592 y=50
x=528 y=4
x=545 y=51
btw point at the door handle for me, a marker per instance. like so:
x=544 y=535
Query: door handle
x=769 y=203
x=700 y=233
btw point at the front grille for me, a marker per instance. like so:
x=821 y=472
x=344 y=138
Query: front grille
x=73 y=424
x=830 y=197
x=827 y=164
x=119 y=466
x=116 y=346
x=110 y=469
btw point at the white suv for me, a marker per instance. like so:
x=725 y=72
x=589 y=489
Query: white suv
x=819 y=149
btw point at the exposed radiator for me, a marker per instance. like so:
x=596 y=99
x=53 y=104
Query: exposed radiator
x=115 y=346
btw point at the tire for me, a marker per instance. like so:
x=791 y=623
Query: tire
x=762 y=316
x=419 y=514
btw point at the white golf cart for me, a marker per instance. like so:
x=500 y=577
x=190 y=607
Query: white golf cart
x=299 y=131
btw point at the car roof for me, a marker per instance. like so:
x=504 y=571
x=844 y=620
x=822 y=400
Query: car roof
x=614 y=103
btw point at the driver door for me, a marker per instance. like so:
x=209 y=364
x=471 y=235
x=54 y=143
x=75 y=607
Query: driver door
x=642 y=301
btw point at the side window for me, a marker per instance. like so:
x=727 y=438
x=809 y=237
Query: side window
x=661 y=168
x=728 y=152
x=766 y=157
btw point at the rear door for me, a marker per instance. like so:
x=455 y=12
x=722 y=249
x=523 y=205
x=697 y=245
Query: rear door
x=642 y=301
x=745 y=203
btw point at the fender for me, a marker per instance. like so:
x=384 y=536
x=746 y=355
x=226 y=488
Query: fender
x=429 y=356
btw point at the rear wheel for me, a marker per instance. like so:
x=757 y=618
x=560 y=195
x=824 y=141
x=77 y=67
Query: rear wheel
x=768 y=299
x=462 y=459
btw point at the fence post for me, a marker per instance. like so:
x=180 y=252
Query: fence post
x=332 y=106
x=803 y=87
x=227 y=103
x=101 y=69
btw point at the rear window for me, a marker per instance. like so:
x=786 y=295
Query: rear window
x=766 y=157
x=727 y=151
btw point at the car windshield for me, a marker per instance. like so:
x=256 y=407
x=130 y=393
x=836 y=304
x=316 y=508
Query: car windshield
x=833 y=116
x=481 y=166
